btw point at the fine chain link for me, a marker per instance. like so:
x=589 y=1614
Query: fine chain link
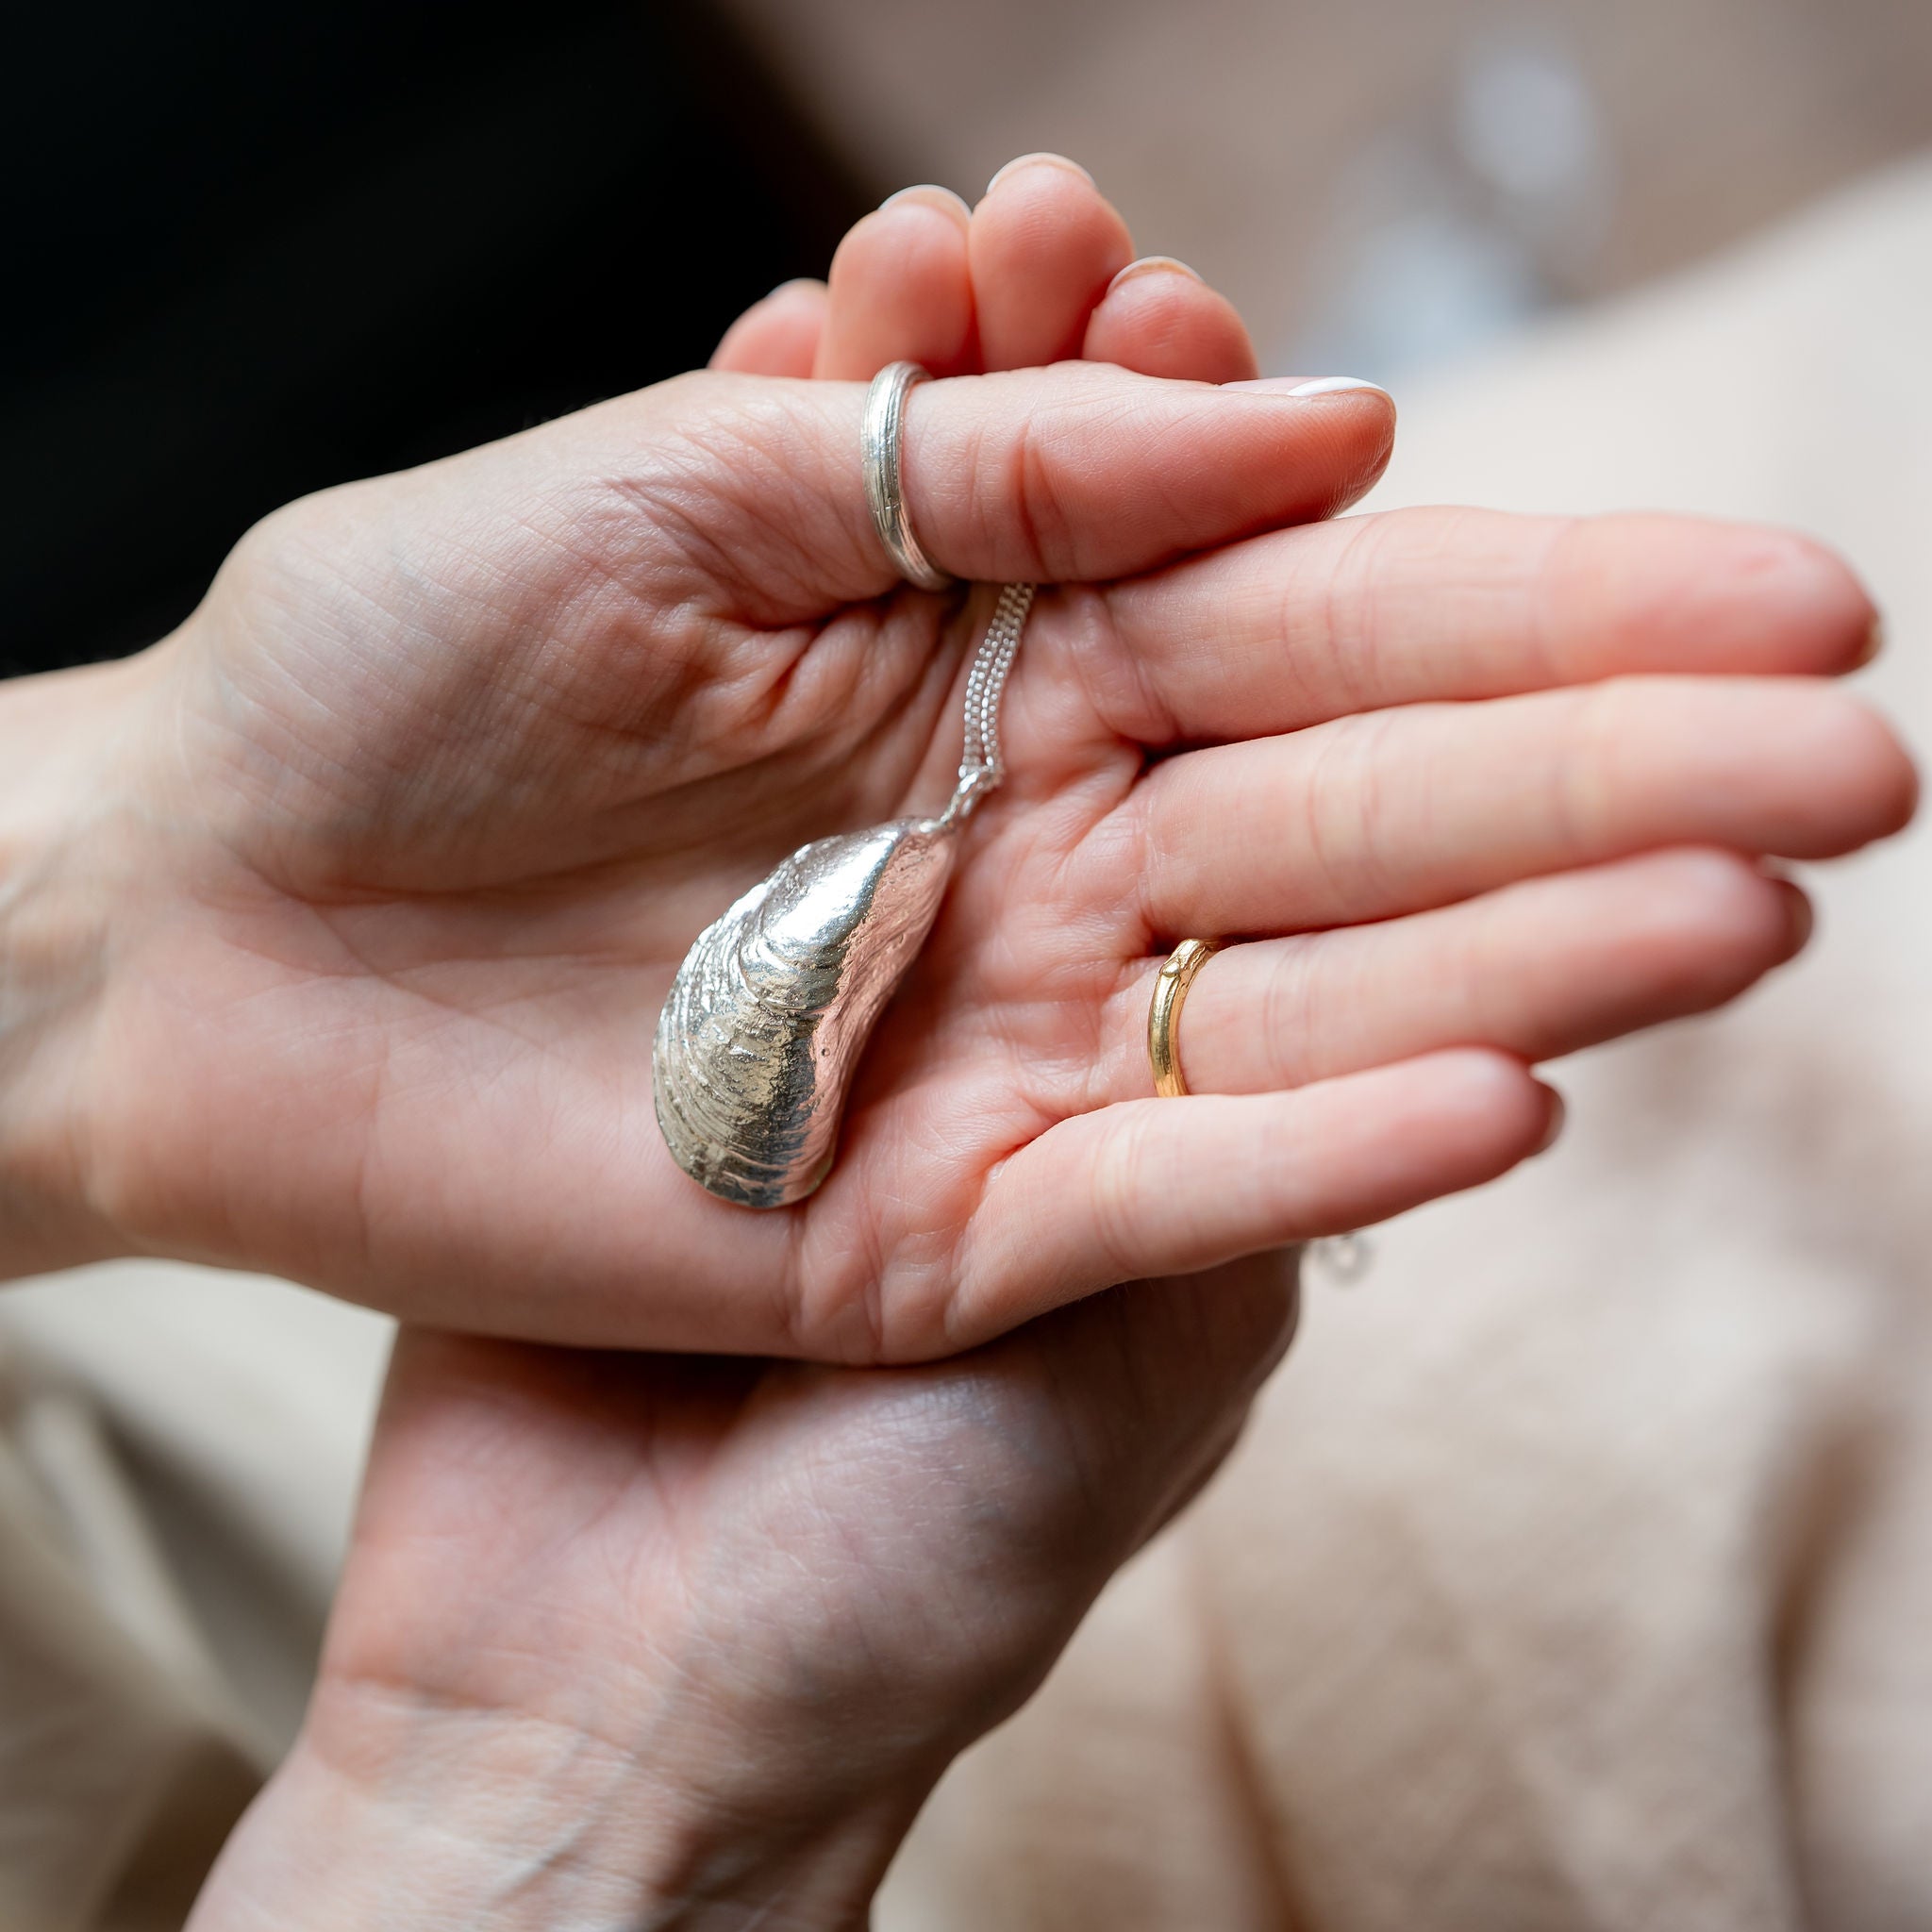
x=982 y=765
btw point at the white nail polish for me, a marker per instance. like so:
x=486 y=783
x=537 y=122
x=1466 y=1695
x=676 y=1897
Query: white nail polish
x=1335 y=385
x=1320 y=386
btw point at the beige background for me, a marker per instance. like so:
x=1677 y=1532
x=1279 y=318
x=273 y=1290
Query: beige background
x=1236 y=133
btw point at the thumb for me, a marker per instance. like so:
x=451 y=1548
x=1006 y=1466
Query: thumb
x=1078 y=473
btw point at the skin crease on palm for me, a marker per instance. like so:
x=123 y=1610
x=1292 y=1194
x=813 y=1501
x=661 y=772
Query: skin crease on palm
x=572 y=1674
x=407 y=830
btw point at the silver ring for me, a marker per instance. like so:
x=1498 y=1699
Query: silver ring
x=883 y=440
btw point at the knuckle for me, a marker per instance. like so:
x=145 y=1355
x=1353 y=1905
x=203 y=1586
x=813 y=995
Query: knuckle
x=1035 y=495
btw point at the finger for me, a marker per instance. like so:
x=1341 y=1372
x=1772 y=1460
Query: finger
x=1168 y=1187
x=1318 y=623
x=901 y=291
x=1160 y=318
x=778 y=336
x=1535 y=969
x=1367 y=818
x=1078 y=472
x=1044 y=246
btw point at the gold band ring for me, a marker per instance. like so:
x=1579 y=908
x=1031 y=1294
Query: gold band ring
x=1164 y=1015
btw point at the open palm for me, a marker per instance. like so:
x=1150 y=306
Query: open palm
x=451 y=767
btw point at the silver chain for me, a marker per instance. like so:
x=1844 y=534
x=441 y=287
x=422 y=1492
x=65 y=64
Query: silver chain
x=981 y=764
x=882 y=437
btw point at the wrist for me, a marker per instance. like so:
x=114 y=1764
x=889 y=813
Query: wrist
x=510 y=1824
x=65 y=866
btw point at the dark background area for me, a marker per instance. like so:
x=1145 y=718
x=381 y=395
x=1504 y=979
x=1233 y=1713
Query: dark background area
x=254 y=250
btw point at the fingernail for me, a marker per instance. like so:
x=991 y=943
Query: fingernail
x=1559 y=1112
x=1874 y=642
x=1040 y=160
x=1301 y=386
x=1798 y=911
x=796 y=282
x=930 y=194
x=1151 y=265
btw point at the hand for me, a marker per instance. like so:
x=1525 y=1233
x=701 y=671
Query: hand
x=657 y=1642
x=968 y=1519
x=398 y=843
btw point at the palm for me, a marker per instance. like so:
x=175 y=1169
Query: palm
x=462 y=938
x=466 y=792
x=475 y=752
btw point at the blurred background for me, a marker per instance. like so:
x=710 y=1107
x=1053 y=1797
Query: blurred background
x=259 y=250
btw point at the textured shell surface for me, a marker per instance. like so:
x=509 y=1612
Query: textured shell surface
x=771 y=1012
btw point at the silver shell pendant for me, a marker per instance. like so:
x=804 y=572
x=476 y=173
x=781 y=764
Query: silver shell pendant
x=771 y=1012
x=772 y=1007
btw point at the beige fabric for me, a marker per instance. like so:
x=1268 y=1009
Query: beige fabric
x=178 y=1458
x=1575 y=1573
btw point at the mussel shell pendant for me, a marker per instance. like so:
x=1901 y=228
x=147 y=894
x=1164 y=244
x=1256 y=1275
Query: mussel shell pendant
x=769 y=1014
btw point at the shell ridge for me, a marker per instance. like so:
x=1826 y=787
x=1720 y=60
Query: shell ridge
x=768 y=1016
